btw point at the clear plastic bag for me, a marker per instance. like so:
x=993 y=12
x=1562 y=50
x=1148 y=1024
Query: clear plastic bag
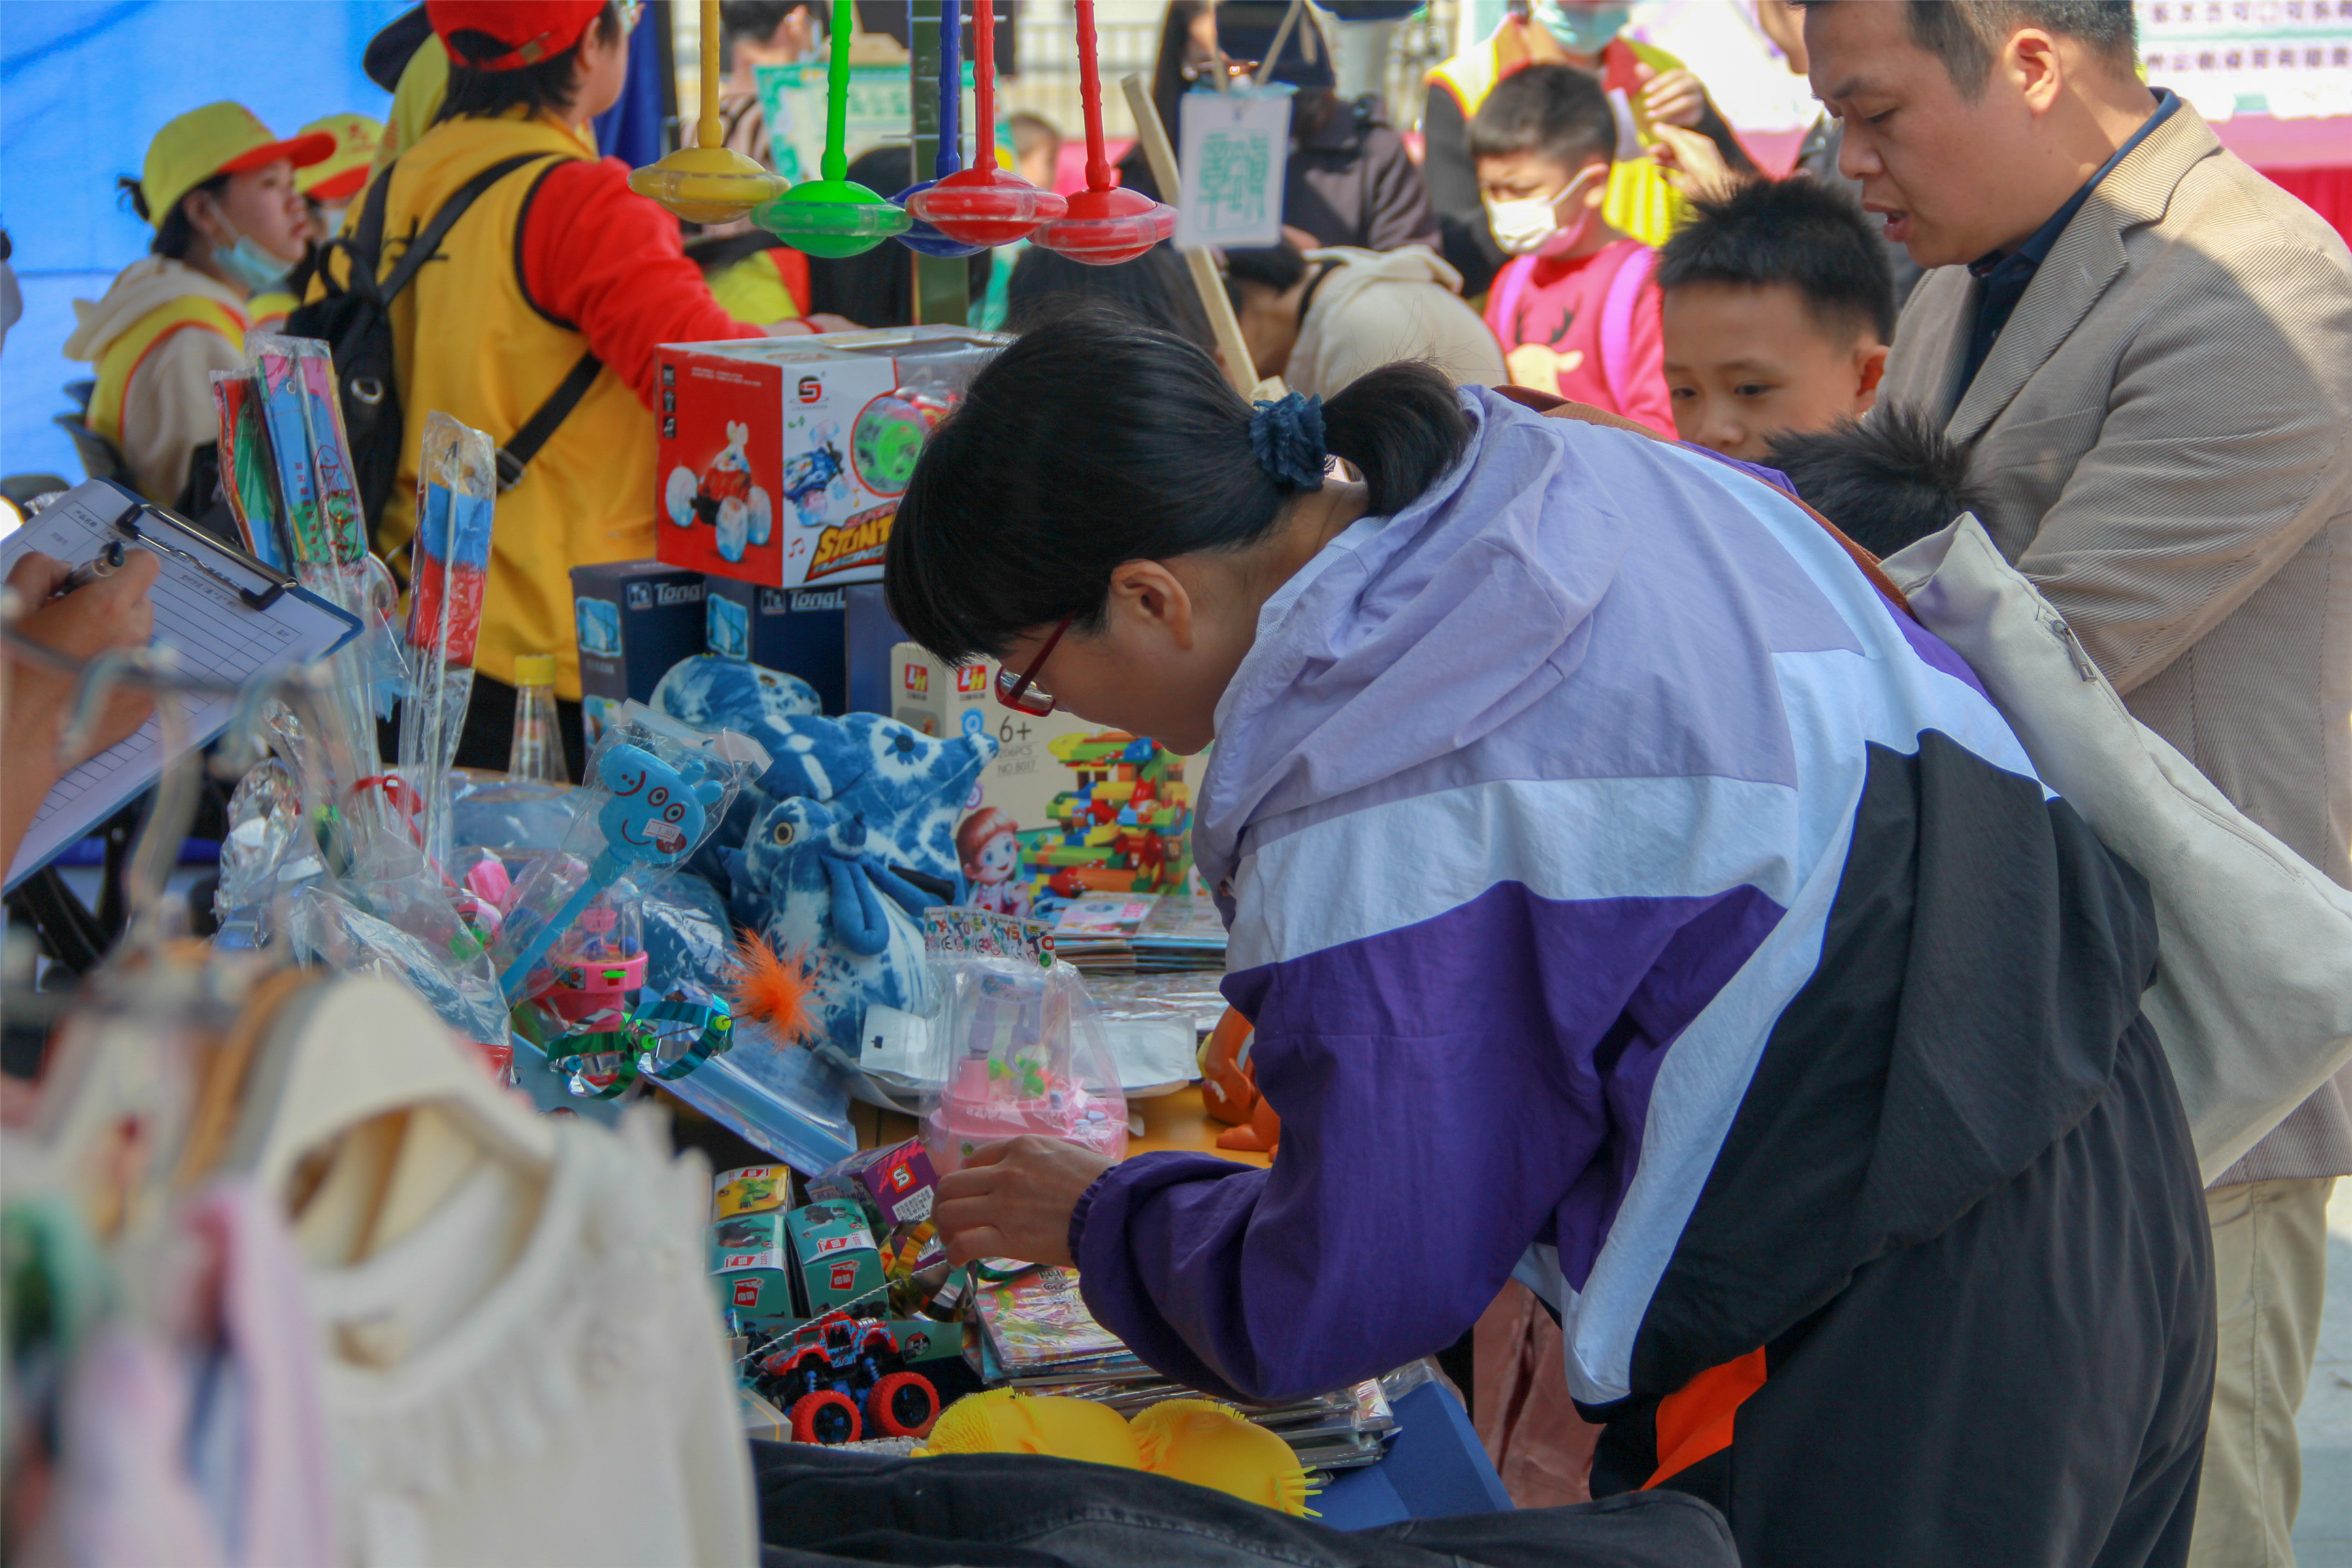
x=1017 y=1048
x=650 y=801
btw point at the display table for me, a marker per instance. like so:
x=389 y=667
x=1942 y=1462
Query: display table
x=1178 y=1120
x=1435 y=1469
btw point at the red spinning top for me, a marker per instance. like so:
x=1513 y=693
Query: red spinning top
x=1104 y=224
x=985 y=204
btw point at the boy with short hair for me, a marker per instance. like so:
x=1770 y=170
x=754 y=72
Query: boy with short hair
x=1574 y=308
x=1778 y=308
x=1322 y=319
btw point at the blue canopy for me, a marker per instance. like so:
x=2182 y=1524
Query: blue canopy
x=84 y=86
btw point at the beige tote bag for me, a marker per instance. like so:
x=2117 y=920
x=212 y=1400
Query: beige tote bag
x=2253 y=988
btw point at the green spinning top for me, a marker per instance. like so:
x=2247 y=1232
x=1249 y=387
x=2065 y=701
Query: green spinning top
x=834 y=216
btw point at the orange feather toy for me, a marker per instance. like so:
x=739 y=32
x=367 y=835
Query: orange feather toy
x=771 y=989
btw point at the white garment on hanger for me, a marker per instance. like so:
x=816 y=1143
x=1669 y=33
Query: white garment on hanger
x=552 y=1389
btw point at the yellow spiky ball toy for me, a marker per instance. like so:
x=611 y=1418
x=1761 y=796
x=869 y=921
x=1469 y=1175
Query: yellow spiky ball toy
x=1007 y=1421
x=1196 y=1440
x=1215 y=1445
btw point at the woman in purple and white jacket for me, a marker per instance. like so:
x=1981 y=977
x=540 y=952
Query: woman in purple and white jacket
x=1631 y=900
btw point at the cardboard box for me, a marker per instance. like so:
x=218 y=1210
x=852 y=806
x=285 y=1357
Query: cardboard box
x=896 y=1188
x=800 y=631
x=872 y=635
x=834 y=1261
x=781 y=459
x=1027 y=777
x=751 y=1189
x=635 y=619
x=751 y=1266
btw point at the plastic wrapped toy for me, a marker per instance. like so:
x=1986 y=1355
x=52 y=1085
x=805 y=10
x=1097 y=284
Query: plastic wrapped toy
x=456 y=489
x=1016 y=1047
x=653 y=802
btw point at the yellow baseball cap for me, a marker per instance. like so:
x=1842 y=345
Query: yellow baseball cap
x=219 y=139
x=338 y=176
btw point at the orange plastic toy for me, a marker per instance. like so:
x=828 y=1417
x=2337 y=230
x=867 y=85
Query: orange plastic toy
x=1229 y=1088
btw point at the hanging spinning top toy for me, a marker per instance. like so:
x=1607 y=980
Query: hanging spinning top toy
x=986 y=206
x=709 y=182
x=834 y=217
x=1104 y=224
x=921 y=237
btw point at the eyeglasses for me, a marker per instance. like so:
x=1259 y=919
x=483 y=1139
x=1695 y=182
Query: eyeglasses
x=1024 y=695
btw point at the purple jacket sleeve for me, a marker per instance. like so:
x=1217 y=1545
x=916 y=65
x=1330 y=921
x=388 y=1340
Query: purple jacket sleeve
x=1449 y=1094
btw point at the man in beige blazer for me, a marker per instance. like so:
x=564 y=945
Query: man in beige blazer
x=2150 y=347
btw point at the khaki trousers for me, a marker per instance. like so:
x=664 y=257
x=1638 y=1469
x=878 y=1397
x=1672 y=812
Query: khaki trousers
x=2270 y=1275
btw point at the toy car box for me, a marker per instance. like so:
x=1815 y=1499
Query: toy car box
x=834 y=1258
x=751 y=1266
x=800 y=631
x=781 y=460
x=751 y=1258
x=635 y=619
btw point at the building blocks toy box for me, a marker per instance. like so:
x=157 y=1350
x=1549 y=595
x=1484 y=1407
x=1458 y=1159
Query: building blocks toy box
x=781 y=460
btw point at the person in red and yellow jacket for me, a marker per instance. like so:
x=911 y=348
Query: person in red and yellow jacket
x=557 y=269
x=1646 y=87
x=219 y=189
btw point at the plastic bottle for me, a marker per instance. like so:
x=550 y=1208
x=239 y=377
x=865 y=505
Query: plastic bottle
x=536 y=752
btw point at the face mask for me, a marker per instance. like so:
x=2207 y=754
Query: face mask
x=1582 y=29
x=1530 y=223
x=251 y=266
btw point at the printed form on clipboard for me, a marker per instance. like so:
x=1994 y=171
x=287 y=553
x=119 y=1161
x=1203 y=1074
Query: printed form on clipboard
x=227 y=615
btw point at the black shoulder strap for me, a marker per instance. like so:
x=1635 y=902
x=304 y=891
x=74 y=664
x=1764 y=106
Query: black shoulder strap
x=525 y=442
x=420 y=250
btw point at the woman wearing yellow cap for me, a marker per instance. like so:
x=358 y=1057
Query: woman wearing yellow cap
x=327 y=187
x=219 y=189
x=329 y=184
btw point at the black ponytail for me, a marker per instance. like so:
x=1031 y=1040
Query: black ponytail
x=1401 y=426
x=176 y=234
x=1095 y=440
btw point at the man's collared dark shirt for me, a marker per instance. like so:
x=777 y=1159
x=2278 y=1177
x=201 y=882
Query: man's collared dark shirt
x=2005 y=278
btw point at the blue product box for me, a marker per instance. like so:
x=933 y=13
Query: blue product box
x=871 y=638
x=800 y=631
x=635 y=619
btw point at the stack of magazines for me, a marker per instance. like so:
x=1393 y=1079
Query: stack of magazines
x=1037 y=1334
x=1109 y=934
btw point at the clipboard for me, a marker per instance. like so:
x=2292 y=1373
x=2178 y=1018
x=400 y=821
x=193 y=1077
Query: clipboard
x=227 y=615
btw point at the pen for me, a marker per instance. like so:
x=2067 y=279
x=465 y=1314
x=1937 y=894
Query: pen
x=104 y=564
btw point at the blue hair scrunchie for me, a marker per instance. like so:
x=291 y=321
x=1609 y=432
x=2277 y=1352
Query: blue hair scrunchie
x=1288 y=435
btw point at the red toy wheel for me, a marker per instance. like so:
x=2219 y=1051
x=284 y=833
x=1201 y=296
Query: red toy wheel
x=903 y=1405
x=827 y=1416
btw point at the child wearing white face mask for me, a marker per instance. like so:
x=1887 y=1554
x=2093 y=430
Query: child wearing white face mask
x=1574 y=308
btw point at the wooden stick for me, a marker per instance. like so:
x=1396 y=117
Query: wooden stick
x=1281 y=36
x=1239 y=368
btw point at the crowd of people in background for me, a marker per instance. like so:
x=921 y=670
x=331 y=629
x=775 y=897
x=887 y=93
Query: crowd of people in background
x=2006 y=274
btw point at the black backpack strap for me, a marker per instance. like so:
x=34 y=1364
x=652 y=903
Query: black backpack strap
x=525 y=442
x=361 y=247
x=428 y=240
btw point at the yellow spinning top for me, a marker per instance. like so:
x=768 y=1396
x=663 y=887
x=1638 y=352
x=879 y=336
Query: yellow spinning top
x=709 y=182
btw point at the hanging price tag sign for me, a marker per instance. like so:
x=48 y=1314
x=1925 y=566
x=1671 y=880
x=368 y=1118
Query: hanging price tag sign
x=1234 y=147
